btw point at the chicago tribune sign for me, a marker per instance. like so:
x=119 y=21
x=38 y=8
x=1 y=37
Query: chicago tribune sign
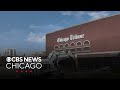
x=71 y=37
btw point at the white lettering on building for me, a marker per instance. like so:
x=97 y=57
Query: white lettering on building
x=71 y=37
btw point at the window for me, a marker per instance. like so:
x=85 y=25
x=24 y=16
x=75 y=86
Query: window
x=56 y=47
x=86 y=42
x=67 y=49
x=86 y=48
x=61 y=50
x=72 y=50
x=61 y=46
x=72 y=44
x=66 y=45
x=79 y=49
x=79 y=43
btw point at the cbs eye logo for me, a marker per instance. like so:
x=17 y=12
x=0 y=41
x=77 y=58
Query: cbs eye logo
x=8 y=59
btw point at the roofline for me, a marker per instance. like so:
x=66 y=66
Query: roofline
x=85 y=23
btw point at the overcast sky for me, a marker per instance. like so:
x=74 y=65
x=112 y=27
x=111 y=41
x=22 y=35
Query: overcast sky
x=25 y=30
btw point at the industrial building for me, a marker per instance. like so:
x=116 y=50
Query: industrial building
x=96 y=43
x=10 y=52
x=97 y=36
